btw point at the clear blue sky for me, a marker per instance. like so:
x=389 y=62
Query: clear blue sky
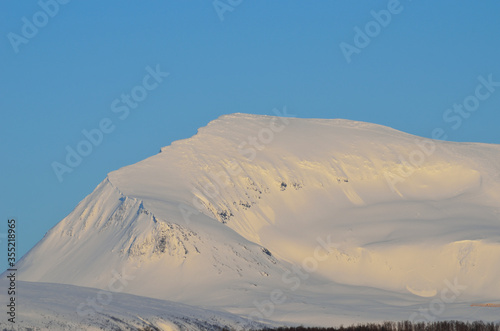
x=63 y=78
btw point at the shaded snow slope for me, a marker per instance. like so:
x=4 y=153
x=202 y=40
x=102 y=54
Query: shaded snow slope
x=225 y=217
x=44 y=306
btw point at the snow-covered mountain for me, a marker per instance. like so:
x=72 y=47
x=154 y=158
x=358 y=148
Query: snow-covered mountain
x=294 y=220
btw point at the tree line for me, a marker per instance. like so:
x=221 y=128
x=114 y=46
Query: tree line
x=402 y=326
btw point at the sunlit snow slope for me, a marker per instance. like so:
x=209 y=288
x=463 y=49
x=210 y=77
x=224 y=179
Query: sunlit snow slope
x=225 y=217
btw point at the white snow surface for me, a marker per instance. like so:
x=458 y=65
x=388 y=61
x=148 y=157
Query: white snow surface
x=336 y=221
x=47 y=306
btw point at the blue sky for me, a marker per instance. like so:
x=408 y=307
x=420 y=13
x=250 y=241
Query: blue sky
x=62 y=77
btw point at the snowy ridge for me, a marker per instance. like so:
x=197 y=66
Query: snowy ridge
x=125 y=312
x=114 y=232
x=225 y=217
